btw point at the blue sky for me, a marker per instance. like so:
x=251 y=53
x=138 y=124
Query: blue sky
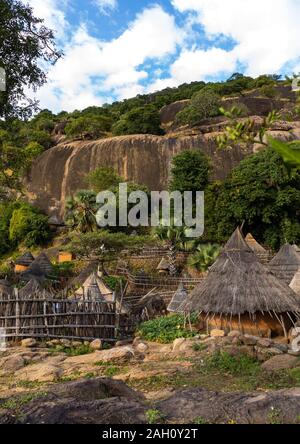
x=115 y=49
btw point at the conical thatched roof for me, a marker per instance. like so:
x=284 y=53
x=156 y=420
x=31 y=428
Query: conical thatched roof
x=5 y=287
x=295 y=284
x=32 y=288
x=26 y=259
x=91 y=288
x=178 y=299
x=33 y=272
x=286 y=263
x=296 y=248
x=44 y=264
x=239 y=284
x=254 y=245
x=164 y=265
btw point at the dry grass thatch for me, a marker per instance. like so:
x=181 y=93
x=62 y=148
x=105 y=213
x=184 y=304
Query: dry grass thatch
x=164 y=265
x=286 y=263
x=295 y=284
x=25 y=260
x=31 y=289
x=44 y=264
x=96 y=287
x=5 y=287
x=239 y=284
x=178 y=299
x=254 y=245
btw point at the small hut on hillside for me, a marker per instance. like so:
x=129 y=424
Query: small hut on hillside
x=34 y=272
x=295 y=284
x=258 y=249
x=178 y=299
x=23 y=263
x=44 y=264
x=286 y=263
x=164 y=266
x=240 y=293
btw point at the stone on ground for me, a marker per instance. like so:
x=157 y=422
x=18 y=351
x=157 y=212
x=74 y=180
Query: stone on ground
x=281 y=362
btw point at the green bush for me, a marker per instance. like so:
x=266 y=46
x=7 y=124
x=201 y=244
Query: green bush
x=166 y=329
x=28 y=226
x=103 y=179
x=240 y=365
x=204 y=105
x=143 y=120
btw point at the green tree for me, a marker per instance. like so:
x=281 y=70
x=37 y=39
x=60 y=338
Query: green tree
x=83 y=127
x=204 y=104
x=103 y=179
x=25 y=43
x=189 y=171
x=28 y=226
x=81 y=211
x=142 y=120
x=261 y=193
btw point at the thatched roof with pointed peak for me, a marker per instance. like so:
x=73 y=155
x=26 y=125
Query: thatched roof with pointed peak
x=44 y=264
x=31 y=289
x=296 y=248
x=90 y=288
x=33 y=272
x=295 y=284
x=239 y=284
x=5 y=287
x=286 y=263
x=164 y=265
x=178 y=299
x=26 y=259
x=254 y=245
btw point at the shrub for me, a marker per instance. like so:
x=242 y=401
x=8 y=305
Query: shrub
x=155 y=416
x=29 y=226
x=103 y=179
x=166 y=329
x=240 y=365
x=142 y=120
x=204 y=104
x=204 y=257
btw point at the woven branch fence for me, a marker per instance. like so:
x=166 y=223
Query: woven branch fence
x=43 y=317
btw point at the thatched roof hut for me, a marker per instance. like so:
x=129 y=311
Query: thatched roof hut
x=164 y=266
x=25 y=260
x=44 y=264
x=32 y=288
x=295 y=284
x=296 y=248
x=95 y=279
x=286 y=263
x=178 y=299
x=33 y=272
x=91 y=289
x=240 y=293
x=5 y=288
x=254 y=245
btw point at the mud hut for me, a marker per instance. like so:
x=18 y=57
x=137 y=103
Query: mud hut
x=295 y=284
x=240 y=293
x=163 y=267
x=286 y=263
x=23 y=263
x=178 y=299
x=258 y=249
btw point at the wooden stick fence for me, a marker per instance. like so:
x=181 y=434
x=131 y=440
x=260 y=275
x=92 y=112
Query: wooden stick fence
x=41 y=316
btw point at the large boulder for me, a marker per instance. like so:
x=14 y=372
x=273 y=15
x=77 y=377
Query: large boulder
x=281 y=362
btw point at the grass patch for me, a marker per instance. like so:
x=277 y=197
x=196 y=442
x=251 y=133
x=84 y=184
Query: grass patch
x=71 y=351
x=240 y=365
x=155 y=416
x=166 y=329
x=108 y=369
x=200 y=421
x=20 y=401
x=198 y=347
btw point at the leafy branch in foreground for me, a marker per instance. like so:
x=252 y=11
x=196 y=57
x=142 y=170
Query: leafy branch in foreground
x=247 y=132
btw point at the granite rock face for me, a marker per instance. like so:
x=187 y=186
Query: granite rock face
x=61 y=171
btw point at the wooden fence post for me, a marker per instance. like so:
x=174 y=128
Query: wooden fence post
x=17 y=324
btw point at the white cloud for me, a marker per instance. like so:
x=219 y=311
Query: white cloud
x=266 y=32
x=52 y=11
x=105 y=67
x=106 y=5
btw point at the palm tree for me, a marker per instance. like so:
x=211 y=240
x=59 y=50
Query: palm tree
x=204 y=257
x=81 y=211
x=175 y=238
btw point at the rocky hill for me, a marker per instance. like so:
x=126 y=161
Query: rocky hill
x=60 y=171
